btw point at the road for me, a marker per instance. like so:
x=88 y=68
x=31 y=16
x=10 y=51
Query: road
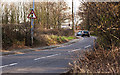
x=47 y=61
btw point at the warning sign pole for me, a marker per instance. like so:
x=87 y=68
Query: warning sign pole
x=32 y=27
x=32 y=16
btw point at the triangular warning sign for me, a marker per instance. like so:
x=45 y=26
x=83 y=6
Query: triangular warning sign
x=32 y=15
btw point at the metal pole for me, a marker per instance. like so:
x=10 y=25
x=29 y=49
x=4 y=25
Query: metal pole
x=47 y=16
x=32 y=27
x=72 y=17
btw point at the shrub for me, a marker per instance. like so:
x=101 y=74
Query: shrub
x=98 y=61
x=16 y=35
x=59 y=32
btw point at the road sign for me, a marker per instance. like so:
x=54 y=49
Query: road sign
x=32 y=15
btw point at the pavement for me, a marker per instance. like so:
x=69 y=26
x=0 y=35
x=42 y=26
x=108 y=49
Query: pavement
x=54 y=60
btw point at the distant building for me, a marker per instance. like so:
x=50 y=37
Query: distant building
x=66 y=25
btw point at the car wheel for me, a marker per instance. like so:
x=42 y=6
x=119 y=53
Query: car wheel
x=82 y=35
x=88 y=35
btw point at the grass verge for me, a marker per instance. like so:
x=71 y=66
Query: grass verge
x=46 y=40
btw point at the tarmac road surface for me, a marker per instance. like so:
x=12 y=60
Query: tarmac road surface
x=47 y=61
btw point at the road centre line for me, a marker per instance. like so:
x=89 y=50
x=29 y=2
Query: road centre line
x=75 y=50
x=87 y=46
x=46 y=56
x=8 y=65
x=48 y=50
x=13 y=64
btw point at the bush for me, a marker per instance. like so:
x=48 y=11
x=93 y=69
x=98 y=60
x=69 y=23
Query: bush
x=59 y=32
x=98 y=61
x=16 y=35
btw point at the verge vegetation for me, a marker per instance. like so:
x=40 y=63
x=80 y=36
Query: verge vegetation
x=16 y=36
x=98 y=61
x=104 y=20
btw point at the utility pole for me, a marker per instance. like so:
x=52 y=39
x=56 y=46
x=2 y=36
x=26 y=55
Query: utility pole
x=72 y=16
x=47 y=16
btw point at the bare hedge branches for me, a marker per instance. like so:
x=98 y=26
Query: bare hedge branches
x=103 y=19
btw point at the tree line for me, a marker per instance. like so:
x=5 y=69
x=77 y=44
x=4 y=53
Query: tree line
x=49 y=14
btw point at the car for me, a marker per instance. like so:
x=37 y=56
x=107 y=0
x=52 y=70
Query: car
x=83 y=33
x=79 y=33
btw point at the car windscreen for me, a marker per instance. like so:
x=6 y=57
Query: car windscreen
x=79 y=32
x=86 y=32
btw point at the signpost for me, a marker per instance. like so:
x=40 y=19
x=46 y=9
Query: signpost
x=32 y=16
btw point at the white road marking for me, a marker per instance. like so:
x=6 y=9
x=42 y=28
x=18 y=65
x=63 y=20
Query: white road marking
x=3 y=66
x=47 y=56
x=48 y=50
x=13 y=64
x=75 y=50
x=8 y=65
x=87 y=46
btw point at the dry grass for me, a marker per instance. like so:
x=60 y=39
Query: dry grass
x=98 y=61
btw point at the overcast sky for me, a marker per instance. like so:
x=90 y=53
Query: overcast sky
x=69 y=2
x=76 y=3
